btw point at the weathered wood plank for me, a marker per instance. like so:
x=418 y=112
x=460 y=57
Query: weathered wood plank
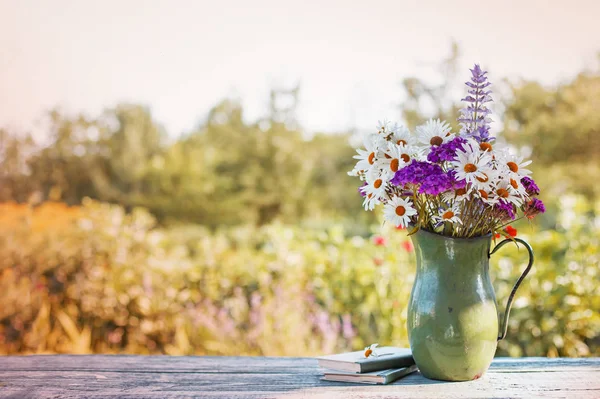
x=78 y=384
x=252 y=377
x=237 y=364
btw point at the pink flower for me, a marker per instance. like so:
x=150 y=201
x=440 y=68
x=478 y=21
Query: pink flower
x=407 y=246
x=379 y=241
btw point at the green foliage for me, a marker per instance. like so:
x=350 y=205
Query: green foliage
x=561 y=127
x=213 y=264
x=111 y=281
x=558 y=309
x=226 y=172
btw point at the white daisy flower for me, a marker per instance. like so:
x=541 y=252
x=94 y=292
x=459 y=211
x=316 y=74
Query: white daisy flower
x=396 y=157
x=515 y=167
x=471 y=164
x=379 y=180
x=487 y=181
x=458 y=195
x=433 y=132
x=398 y=211
x=373 y=190
x=518 y=188
x=401 y=135
x=354 y=173
x=451 y=215
x=383 y=127
x=368 y=156
x=505 y=191
x=370 y=200
x=486 y=196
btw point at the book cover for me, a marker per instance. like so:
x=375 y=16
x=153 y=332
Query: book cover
x=375 y=377
x=388 y=357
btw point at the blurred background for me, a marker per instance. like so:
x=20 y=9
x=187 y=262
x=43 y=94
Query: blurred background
x=173 y=174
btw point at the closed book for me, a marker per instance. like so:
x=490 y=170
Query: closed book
x=388 y=357
x=374 y=377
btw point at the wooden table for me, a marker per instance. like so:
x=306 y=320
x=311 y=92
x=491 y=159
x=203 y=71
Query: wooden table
x=106 y=376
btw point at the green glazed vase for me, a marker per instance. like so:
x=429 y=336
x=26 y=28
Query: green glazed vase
x=453 y=322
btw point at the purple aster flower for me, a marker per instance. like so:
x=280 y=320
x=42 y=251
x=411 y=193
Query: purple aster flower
x=361 y=191
x=474 y=118
x=430 y=178
x=533 y=208
x=436 y=183
x=445 y=151
x=456 y=183
x=414 y=173
x=530 y=186
x=505 y=210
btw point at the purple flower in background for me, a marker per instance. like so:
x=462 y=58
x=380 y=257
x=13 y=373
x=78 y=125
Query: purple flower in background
x=445 y=151
x=530 y=186
x=474 y=119
x=505 y=210
x=347 y=329
x=533 y=208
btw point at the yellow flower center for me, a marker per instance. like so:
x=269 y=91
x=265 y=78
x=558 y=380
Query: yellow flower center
x=484 y=178
x=394 y=164
x=460 y=191
x=513 y=167
x=502 y=193
x=400 y=210
x=448 y=215
x=405 y=158
x=436 y=140
x=483 y=194
x=387 y=156
x=485 y=147
x=470 y=168
x=377 y=183
x=401 y=142
x=514 y=183
x=372 y=158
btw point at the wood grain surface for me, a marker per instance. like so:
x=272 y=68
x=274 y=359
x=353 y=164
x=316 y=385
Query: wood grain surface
x=123 y=376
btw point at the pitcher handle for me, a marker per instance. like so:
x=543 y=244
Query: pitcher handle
x=504 y=328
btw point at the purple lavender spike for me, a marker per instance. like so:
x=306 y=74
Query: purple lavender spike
x=474 y=119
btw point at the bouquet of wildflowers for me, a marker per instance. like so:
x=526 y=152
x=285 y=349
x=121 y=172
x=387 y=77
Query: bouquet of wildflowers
x=456 y=184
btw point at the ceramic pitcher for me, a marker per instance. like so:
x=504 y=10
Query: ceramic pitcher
x=453 y=320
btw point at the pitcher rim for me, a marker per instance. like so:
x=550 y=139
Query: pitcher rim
x=489 y=235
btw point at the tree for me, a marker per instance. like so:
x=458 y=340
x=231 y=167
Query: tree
x=561 y=128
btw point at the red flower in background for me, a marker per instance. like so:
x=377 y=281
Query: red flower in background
x=379 y=241
x=400 y=227
x=511 y=231
x=378 y=261
x=497 y=235
x=407 y=246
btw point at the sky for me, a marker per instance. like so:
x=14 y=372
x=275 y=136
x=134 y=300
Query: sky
x=180 y=58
